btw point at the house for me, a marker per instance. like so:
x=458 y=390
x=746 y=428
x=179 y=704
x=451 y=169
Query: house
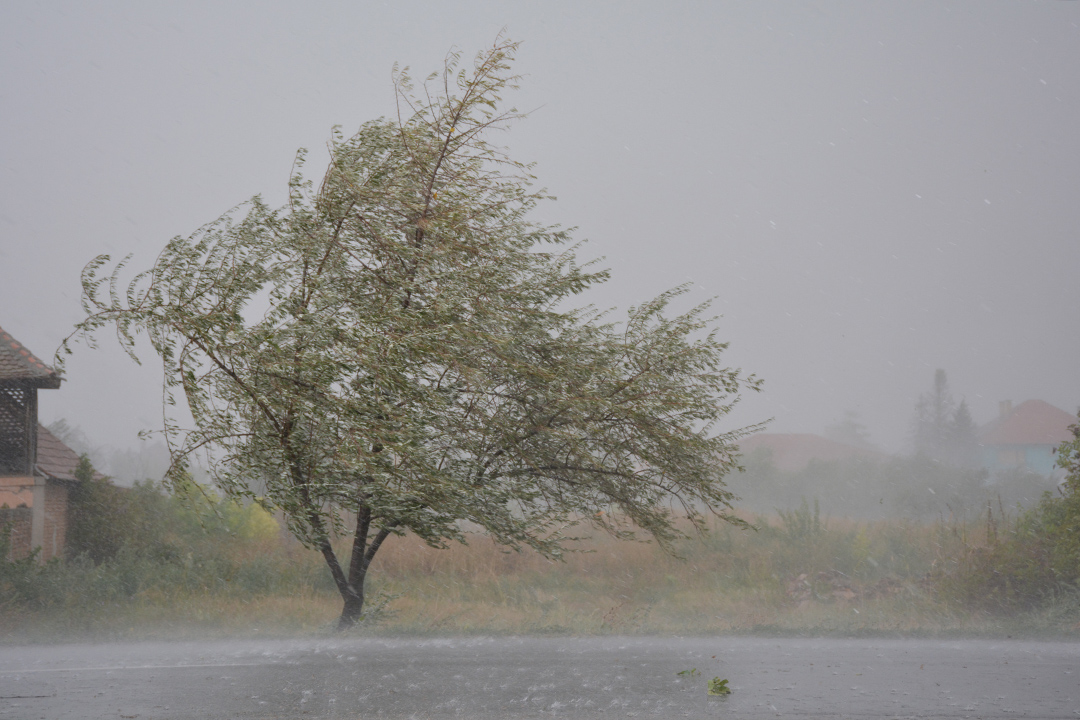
x=36 y=468
x=1025 y=437
x=792 y=452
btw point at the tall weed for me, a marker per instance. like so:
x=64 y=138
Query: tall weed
x=1030 y=560
x=797 y=570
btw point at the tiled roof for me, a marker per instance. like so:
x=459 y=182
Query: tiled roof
x=1032 y=422
x=794 y=451
x=18 y=363
x=55 y=459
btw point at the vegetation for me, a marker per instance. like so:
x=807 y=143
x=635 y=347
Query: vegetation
x=901 y=488
x=128 y=543
x=391 y=353
x=1032 y=560
x=719 y=687
x=104 y=518
x=210 y=565
x=223 y=568
x=943 y=431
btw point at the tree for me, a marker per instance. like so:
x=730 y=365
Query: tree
x=1062 y=523
x=933 y=417
x=963 y=440
x=103 y=518
x=72 y=436
x=391 y=352
x=944 y=431
x=850 y=430
x=97 y=515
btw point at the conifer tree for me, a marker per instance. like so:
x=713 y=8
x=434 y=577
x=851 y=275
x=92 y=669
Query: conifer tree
x=944 y=431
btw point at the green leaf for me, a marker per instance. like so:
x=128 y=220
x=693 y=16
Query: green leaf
x=719 y=687
x=391 y=351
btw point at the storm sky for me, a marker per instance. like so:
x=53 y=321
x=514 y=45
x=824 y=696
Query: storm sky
x=870 y=191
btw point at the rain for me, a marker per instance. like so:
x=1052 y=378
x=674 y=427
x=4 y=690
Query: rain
x=877 y=199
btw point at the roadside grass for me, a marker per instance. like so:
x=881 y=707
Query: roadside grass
x=797 y=574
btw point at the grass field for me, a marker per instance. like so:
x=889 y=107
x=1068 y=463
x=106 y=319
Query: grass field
x=796 y=574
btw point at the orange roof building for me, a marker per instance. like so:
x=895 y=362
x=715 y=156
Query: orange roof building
x=36 y=468
x=1025 y=437
x=792 y=452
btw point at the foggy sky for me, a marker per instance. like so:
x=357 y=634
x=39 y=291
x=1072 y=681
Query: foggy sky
x=870 y=190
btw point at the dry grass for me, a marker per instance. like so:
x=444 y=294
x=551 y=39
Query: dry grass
x=798 y=574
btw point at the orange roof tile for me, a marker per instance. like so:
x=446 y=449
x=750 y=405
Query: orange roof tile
x=55 y=459
x=18 y=363
x=1032 y=422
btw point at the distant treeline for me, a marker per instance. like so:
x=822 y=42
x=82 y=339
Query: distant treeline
x=914 y=488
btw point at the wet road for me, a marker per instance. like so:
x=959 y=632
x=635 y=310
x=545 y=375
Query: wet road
x=494 y=678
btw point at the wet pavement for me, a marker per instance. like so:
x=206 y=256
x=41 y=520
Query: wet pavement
x=495 y=678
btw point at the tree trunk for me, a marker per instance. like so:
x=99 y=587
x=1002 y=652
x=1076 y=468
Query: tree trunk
x=352 y=611
x=352 y=588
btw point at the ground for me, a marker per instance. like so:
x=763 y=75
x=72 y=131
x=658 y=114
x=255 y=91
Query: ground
x=497 y=678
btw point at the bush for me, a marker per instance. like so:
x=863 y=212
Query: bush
x=1034 y=561
x=103 y=518
x=1062 y=523
x=123 y=543
x=908 y=488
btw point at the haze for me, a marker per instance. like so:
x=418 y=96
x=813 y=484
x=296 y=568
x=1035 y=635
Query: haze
x=869 y=191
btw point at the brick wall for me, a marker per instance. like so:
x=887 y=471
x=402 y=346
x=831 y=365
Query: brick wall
x=51 y=533
x=17 y=521
x=55 y=531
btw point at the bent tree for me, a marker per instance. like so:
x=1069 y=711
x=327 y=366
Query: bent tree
x=392 y=352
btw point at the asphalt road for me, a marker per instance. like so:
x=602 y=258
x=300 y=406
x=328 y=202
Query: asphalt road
x=495 y=678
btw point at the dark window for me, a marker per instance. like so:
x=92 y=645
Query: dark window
x=18 y=413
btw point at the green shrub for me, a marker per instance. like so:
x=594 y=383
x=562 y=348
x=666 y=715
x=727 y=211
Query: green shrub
x=1035 y=560
x=126 y=543
x=103 y=518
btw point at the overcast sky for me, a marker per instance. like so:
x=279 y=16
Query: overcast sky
x=870 y=190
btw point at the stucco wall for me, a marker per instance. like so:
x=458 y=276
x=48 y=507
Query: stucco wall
x=1040 y=459
x=16 y=490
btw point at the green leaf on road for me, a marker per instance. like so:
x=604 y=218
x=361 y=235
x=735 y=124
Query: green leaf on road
x=719 y=687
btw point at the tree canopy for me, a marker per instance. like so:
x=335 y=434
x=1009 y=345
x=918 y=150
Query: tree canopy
x=395 y=351
x=942 y=430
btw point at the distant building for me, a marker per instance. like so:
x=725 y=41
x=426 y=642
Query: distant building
x=792 y=452
x=36 y=468
x=1025 y=437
